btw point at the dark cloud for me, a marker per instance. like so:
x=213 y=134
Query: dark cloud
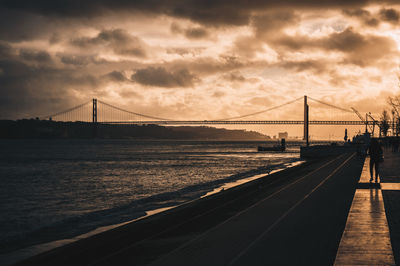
x=160 y=77
x=133 y=51
x=19 y=25
x=317 y=66
x=293 y=43
x=364 y=15
x=347 y=41
x=54 y=38
x=203 y=66
x=196 y=33
x=32 y=78
x=129 y=93
x=190 y=32
x=359 y=49
x=28 y=90
x=116 y=76
x=76 y=60
x=235 y=77
x=205 y=12
x=5 y=50
x=390 y=15
x=36 y=56
x=385 y=14
x=185 y=50
x=23 y=90
x=219 y=94
x=247 y=46
x=359 y=12
x=176 y=28
x=80 y=60
x=120 y=41
x=268 y=25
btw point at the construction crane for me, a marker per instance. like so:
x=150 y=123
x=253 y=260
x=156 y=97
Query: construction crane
x=373 y=124
x=364 y=120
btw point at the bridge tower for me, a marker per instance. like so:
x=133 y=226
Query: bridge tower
x=94 y=118
x=306 y=124
x=94 y=113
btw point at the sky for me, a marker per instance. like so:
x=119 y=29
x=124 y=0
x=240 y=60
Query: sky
x=197 y=59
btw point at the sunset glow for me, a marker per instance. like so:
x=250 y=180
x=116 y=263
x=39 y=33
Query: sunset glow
x=197 y=61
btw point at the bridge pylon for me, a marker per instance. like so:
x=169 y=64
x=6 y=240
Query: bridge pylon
x=94 y=118
x=94 y=113
x=306 y=121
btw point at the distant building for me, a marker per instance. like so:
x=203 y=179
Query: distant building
x=283 y=135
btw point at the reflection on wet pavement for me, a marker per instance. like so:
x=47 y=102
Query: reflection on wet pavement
x=366 y=239
x=390 y=186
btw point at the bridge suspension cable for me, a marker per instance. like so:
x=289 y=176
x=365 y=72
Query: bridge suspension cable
x=331 y=105
x=260 y=112
x=133 y=113
x=114 y=114
x=65 y=111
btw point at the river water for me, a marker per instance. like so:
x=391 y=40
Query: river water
x=57 y=189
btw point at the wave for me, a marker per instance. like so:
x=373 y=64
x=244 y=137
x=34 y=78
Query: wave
x=80 y=224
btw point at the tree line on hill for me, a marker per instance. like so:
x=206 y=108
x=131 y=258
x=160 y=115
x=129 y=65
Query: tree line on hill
x=30 y=128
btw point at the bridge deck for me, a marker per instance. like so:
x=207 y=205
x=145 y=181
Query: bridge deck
x=236 y=122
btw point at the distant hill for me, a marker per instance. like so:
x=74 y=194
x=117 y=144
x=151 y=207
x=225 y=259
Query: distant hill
x=51 y=129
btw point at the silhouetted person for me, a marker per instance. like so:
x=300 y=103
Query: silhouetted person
x=375 y=153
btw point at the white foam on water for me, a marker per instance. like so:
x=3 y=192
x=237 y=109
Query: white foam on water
x=247 y=179
x=107 y=181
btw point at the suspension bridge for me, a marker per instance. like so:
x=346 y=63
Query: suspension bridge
x=100 y=112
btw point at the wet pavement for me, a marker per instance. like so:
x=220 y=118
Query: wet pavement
x=293 y=217
x=390 y=184
x=317 y=214
x=366 y=239
x=297 y=226
x=372 y=233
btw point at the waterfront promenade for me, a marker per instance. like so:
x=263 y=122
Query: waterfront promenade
x=295 y=217
x=390 y=186
x=366 y=238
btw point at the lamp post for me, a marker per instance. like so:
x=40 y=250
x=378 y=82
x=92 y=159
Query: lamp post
x=392 y=122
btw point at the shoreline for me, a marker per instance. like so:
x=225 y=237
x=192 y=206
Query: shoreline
x=32 y=251
x=208 y=208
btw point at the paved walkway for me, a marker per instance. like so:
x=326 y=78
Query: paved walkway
x=298 y=221
x=281 y=230
x=366 y=238
x=390 y=184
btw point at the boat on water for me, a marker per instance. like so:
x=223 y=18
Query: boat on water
x=281 y=147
